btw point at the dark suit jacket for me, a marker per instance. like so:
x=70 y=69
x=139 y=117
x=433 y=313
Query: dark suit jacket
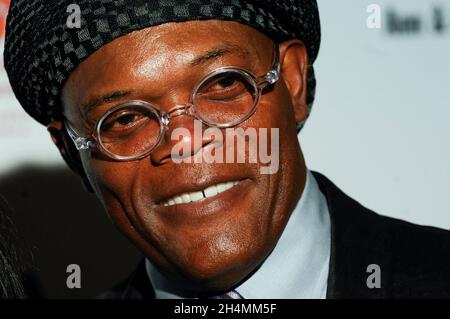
x=414 y=260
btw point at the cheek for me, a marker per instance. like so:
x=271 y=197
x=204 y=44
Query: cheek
x=275 y=115
x=275 y=109
x=112 y=182
x=276 y=112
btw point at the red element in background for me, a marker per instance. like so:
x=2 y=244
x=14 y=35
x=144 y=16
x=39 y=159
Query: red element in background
x=4 y=5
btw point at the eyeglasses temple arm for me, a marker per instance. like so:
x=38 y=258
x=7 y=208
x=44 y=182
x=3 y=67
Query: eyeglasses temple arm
x=81 y=143
x=274 y=74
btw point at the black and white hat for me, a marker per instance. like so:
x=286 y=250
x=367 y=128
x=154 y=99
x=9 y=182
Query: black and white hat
x=41 y=50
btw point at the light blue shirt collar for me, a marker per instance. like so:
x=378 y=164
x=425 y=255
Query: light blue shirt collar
x=297 y=268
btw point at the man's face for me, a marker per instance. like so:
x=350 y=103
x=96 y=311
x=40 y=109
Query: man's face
x=213 y=243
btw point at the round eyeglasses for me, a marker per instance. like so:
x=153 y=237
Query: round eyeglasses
x=224 y=98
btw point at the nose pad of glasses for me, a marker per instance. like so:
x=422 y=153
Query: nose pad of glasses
x=165 y=119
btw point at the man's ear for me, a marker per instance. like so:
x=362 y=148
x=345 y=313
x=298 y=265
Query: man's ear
x=294 y=72
x=68 y=151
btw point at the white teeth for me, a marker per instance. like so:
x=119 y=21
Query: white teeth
x=178 y=200
x=186 y=198
x=196 y=196
x=223 y=187
x=211 y=191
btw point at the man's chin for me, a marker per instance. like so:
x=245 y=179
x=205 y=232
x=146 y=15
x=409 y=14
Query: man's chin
x=217 y=280
x=217 y=271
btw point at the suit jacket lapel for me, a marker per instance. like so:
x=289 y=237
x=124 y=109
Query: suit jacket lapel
x=138 y=285
x=356 y=243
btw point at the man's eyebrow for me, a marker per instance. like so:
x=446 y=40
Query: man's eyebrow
x=105 y=98
x=210 y=55
x=216 y=53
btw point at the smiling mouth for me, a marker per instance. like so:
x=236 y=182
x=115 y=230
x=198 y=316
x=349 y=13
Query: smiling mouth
x=208 y=192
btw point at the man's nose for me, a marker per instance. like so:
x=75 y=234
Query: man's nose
x=184 y=132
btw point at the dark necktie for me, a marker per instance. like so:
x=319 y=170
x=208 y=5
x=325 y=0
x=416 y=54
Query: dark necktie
x=229 y=295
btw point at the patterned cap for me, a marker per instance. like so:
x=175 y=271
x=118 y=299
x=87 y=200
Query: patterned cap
x=42 y=49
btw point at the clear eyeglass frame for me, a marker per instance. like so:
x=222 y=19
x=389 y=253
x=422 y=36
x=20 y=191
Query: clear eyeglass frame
x=259 y=84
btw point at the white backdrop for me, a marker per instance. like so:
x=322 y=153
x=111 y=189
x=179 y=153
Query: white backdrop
x=381 y=124
x=380 y=128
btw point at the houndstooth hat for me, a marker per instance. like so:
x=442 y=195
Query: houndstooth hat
x=41 y=50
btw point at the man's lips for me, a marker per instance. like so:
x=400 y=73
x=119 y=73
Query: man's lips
x=224 y=202
x=195 y=196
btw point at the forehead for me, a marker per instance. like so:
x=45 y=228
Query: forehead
x=151 y=52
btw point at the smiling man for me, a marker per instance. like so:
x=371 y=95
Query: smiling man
x=115 y=95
